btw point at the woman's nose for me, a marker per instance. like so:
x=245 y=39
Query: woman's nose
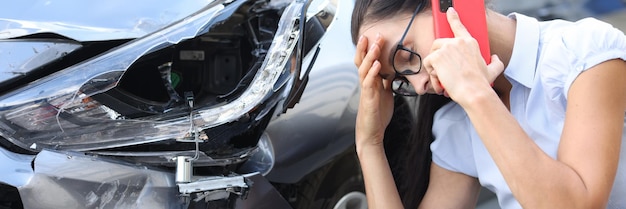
x=420 y=82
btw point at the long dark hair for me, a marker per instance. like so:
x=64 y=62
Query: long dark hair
x=407 y=145
x=370 y=11
x=409 y=155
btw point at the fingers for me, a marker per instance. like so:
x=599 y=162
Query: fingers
x=361 y=50
x=429 y=65
x=495 y=68
x=372 y=78
x=457 y=27
x=368 y=61
x=438 y=43
x=369 y=56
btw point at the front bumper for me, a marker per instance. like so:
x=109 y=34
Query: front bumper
x=55 y=179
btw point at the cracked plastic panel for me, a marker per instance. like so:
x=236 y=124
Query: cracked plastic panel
x=60 y=112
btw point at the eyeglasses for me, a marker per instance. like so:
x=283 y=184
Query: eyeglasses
x=405 y=62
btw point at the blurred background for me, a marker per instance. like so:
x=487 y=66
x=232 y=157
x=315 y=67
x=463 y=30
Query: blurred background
x=611 y=11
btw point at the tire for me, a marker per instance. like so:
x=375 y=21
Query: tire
x=338 y=185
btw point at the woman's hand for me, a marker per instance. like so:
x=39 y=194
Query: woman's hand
x=457 y=64
x=375 y=110
x=376 y=99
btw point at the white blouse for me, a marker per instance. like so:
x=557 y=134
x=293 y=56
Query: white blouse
x=547 y=57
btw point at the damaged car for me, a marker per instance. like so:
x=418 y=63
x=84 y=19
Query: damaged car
x=178 y=104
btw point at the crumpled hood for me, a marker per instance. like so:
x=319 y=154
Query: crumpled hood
x=93 y=20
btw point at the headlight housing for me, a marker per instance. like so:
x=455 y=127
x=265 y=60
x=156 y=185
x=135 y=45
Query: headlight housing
x=61 y=111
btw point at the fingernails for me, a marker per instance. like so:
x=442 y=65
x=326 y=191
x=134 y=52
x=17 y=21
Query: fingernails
x=378 y=36
x=451 y=10
x=360 y=38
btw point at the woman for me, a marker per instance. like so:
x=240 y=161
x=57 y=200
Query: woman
x=542 y=125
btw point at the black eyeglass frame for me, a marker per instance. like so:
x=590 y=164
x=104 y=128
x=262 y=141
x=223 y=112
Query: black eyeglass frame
x=399 y=75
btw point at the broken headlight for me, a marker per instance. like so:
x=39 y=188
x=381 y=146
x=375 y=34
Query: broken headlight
x=83 y=108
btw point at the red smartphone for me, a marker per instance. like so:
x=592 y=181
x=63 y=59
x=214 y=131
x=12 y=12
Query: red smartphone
x=472 y=14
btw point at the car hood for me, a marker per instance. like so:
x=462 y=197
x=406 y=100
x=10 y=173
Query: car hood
x=93 y=20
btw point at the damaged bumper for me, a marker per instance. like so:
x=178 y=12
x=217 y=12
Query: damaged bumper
x=73 y=180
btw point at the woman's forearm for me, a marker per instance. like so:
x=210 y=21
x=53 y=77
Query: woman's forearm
x=535 y=179
x=379 y=183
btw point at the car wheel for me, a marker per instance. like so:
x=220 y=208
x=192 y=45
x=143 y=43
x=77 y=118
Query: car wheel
x=353 y=195
x=338 y=185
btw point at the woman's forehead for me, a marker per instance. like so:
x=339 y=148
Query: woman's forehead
x=390 y=31
x=391 y=28
x=390 y=35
